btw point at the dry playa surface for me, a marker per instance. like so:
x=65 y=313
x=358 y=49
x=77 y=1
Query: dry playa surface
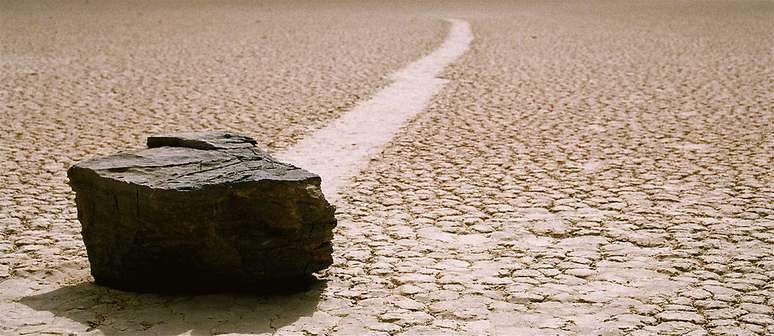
x=593 y=169
x=79 y=80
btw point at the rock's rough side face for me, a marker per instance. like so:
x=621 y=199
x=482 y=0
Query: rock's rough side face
x=200 y=210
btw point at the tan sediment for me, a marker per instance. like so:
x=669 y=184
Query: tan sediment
x=341 y=149
x=590 y=168
x=595 y=168
x=85 y=79
x=88 y=78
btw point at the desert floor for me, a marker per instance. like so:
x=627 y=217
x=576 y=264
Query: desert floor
x=591 y=168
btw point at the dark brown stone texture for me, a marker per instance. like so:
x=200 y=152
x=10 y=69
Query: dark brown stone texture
x=201 y=211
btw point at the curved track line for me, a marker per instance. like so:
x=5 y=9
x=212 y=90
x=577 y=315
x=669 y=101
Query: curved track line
x=342 y=149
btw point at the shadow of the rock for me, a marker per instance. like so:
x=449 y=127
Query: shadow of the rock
x=115 y=312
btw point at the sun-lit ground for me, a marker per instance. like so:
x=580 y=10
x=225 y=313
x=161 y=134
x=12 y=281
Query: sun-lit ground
x=590 y=168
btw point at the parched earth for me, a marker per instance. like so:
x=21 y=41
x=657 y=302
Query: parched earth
x=90 y=79
x=594 y=169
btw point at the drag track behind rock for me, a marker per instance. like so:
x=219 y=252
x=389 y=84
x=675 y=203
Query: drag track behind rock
x=340 y=150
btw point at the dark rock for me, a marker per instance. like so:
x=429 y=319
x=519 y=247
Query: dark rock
x=201 y=211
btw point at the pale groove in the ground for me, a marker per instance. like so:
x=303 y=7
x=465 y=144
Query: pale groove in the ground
x=340 y=150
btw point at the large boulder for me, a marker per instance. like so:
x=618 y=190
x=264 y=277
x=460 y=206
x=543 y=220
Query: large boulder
x=201 y=211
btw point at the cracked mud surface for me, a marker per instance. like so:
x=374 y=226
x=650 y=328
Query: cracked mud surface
x=93 y=79
x=572 y=180
x=598 y=169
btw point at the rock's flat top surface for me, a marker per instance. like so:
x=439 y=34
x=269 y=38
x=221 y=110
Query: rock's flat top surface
x=202 y=140
x=184 y=161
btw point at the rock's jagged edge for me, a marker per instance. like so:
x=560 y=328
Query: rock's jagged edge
x=221 y=218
